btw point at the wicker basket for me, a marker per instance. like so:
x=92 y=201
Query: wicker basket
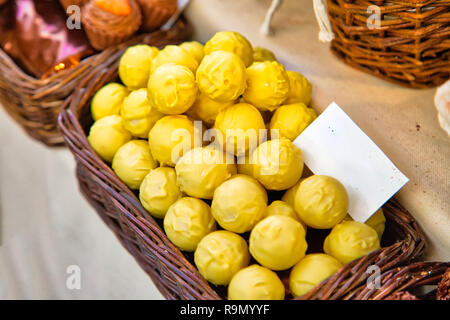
x=171 y=271
x=35 y=103
x=411 y=47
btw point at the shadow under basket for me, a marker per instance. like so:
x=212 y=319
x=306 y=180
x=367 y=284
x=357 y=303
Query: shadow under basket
x=410 y=46
x=35 y=103
x=173 y=272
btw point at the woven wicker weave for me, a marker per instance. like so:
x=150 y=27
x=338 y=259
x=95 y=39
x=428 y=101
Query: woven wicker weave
x=401 y=279
x=35 y=103
x=171 y=271
x=411 y=47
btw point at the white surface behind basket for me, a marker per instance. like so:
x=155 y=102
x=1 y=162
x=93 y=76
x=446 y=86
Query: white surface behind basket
x=46 y=226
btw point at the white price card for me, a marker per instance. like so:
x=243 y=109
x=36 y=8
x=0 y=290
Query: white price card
x=334 y=145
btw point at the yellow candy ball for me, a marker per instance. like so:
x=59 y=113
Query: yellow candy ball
x=261 y=54
x=206 y=109
x=138 y=115
x=351 y=240
x=280 y=208
x=194 y=48
x=301 y=89
x=256 y=283
x=289 y=195
x=107 y=135
x=220 y=255
x=201 y=170
x=376 y=221
x=245 y=166
x=232 y=42
x=174 y=54
x=171 y=137
x=278 y=242
x=310 y=271
x=239 y=203
x=135 y=65
x=132 y=162
x=108 y=100
x=187 y=221
x=222 y=76
x=159 y=190
x=278 y=164
x=240 y=127
x=292 y=119
x=267 y=85
x=172 y=89
x=321 y=201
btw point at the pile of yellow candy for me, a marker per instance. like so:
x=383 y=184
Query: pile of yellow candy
x=146 y=128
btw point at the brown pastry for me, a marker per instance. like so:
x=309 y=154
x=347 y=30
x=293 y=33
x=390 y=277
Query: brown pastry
x=156 y=12
x=67 y=3
x=34 y=33
x=110 y=22
x=443 y=290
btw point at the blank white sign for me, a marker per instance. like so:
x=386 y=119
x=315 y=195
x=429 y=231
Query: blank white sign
x=334 y=145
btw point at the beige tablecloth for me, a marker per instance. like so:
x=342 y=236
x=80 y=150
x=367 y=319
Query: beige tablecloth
x=47 y=226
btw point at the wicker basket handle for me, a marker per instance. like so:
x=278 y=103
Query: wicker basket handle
x=320 y=10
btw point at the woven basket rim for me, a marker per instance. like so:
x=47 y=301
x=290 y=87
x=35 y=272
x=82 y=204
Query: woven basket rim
x=91 y=167
x=400 y=252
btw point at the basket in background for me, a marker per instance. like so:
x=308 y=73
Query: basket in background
x=171 y=271
x=411 y=47
x=35 y=103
